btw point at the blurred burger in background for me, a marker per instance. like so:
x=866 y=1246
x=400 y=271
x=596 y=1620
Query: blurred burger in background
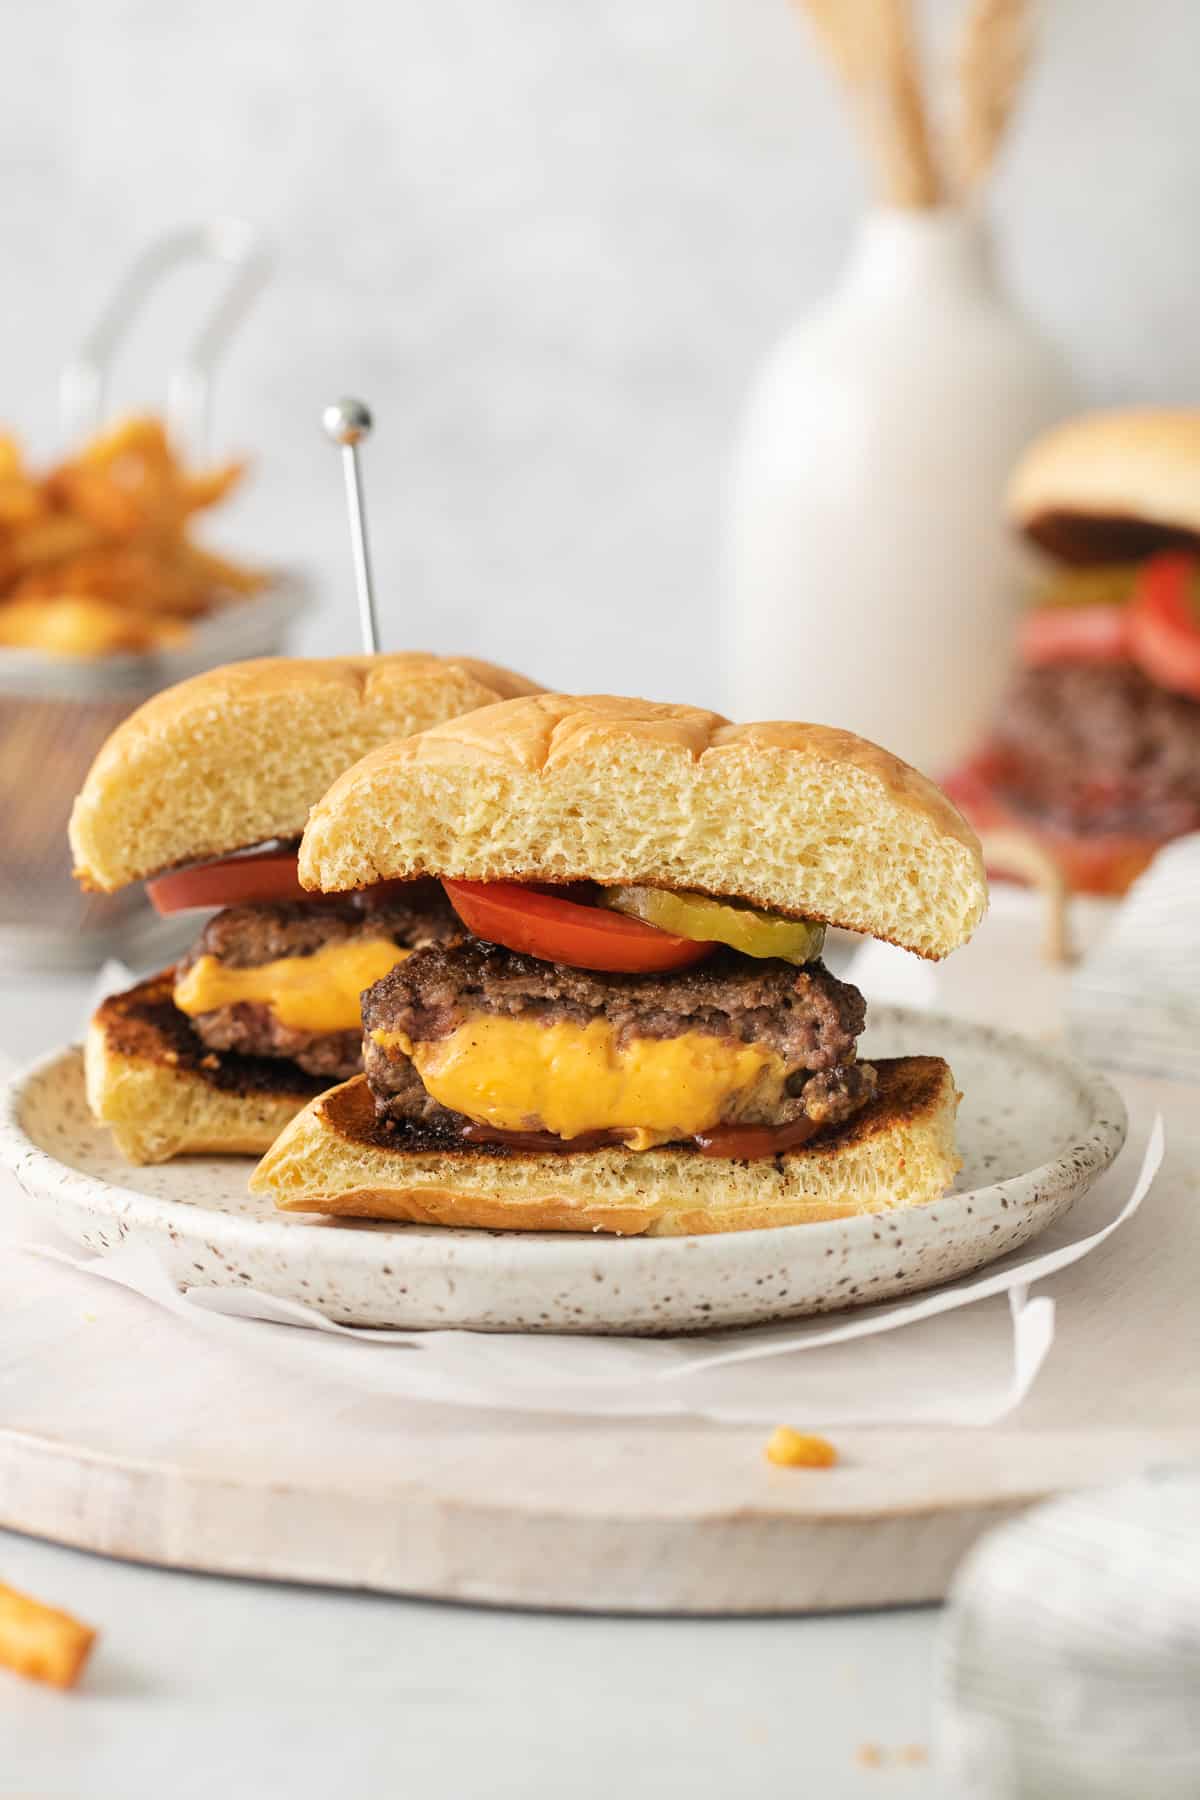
x=1095 y=749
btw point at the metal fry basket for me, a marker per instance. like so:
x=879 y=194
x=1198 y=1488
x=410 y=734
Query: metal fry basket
x=55 y=712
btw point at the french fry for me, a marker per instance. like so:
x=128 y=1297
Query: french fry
x=140 y=436
x=219 y=572
x=78 y=625
x=1017 y=852
x=211 y=485
x=11 y=461
x=40 y=1642
x=95 y=496
x=51 y=540
x=20 y=501
x=95 y=556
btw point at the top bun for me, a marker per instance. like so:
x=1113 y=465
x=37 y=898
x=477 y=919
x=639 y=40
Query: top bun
x=1112 y=486
x=239 y=755
x=800 y=819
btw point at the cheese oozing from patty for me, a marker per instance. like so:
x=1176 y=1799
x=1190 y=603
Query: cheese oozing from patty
x=521 y=1075
x=320 y=992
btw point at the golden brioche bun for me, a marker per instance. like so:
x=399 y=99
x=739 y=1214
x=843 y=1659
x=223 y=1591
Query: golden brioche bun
x=334 y=1158
x=239 y=755
x=162 y=1093
x=800 y=819
x=1111 y=486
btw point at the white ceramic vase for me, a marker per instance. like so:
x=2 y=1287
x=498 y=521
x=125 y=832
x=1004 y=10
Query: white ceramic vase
x=872 y=581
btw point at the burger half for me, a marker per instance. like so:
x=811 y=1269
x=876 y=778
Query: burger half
x=1095 y=750
x=203 y=793
x=634 y=1031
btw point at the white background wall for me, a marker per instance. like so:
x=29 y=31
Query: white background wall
x=547 y=240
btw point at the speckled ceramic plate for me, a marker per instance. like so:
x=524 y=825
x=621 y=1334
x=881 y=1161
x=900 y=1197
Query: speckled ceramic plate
x=1035 y=1129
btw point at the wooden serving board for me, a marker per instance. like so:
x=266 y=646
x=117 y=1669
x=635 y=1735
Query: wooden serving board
x=125 y=1431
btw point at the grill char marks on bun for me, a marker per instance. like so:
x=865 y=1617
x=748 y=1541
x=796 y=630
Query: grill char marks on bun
x=227 y=1079
x=162 y=1093
x=196 y=777
x=541 y=1086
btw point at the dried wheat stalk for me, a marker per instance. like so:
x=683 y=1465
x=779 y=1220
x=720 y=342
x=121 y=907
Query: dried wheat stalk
x=993 y=55
x=871 y=44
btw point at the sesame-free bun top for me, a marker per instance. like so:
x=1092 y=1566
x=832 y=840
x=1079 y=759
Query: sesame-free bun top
x=1112 y=486
x=800 y=819
x=238 y=755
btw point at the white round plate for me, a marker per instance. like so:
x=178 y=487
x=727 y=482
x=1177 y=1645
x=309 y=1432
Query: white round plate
x=1035 y=1129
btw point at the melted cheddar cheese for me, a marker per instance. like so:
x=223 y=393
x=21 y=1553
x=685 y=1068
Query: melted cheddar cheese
x=306 y=993
x=520 y=1075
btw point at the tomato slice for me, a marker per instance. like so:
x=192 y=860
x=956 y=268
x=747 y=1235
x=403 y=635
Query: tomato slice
x=1056 y=634
x=1164 y=622
x=563 y=931
x=229 y=883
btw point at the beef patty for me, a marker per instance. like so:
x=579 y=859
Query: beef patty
x=1099 y=747
x=810 y=1019
x=243 y=937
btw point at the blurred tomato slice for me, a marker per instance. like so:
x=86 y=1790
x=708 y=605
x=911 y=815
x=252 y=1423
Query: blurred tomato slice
x=1164 y=622
x=1064 y=634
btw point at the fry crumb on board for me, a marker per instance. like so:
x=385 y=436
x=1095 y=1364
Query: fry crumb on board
x=41 y=1642
x=874 y=1756
x=799 y=1450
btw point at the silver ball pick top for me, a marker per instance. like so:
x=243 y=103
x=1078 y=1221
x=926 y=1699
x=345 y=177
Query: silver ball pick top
x=347 y=423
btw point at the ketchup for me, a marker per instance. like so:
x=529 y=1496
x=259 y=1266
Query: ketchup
x=736 y=1143
x=538 y=1140
x=746 y=1143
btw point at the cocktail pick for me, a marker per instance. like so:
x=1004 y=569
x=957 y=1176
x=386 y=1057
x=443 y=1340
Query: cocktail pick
x=347 y=423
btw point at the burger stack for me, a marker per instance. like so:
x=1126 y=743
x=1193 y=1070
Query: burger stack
x=1095 y=751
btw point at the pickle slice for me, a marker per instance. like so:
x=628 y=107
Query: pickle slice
x=710 y=921
x=1100 y=584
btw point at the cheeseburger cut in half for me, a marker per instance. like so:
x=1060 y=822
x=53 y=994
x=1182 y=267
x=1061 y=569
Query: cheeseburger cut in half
x=634 y=1031
x=203 y=794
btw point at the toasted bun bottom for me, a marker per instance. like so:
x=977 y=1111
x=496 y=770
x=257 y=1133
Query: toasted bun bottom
x=163 y=1094
x=335 y=1158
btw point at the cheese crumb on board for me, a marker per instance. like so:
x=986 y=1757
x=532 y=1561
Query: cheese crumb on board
x=799 y=1450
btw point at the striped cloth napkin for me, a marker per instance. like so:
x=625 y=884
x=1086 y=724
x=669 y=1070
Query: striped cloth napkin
x=1069 y=1663
x=1134 y=1001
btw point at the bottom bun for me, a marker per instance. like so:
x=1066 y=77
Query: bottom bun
x=163 y=1093
x=335 y=1157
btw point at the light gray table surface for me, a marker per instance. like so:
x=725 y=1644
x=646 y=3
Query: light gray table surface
x=202 y=1685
